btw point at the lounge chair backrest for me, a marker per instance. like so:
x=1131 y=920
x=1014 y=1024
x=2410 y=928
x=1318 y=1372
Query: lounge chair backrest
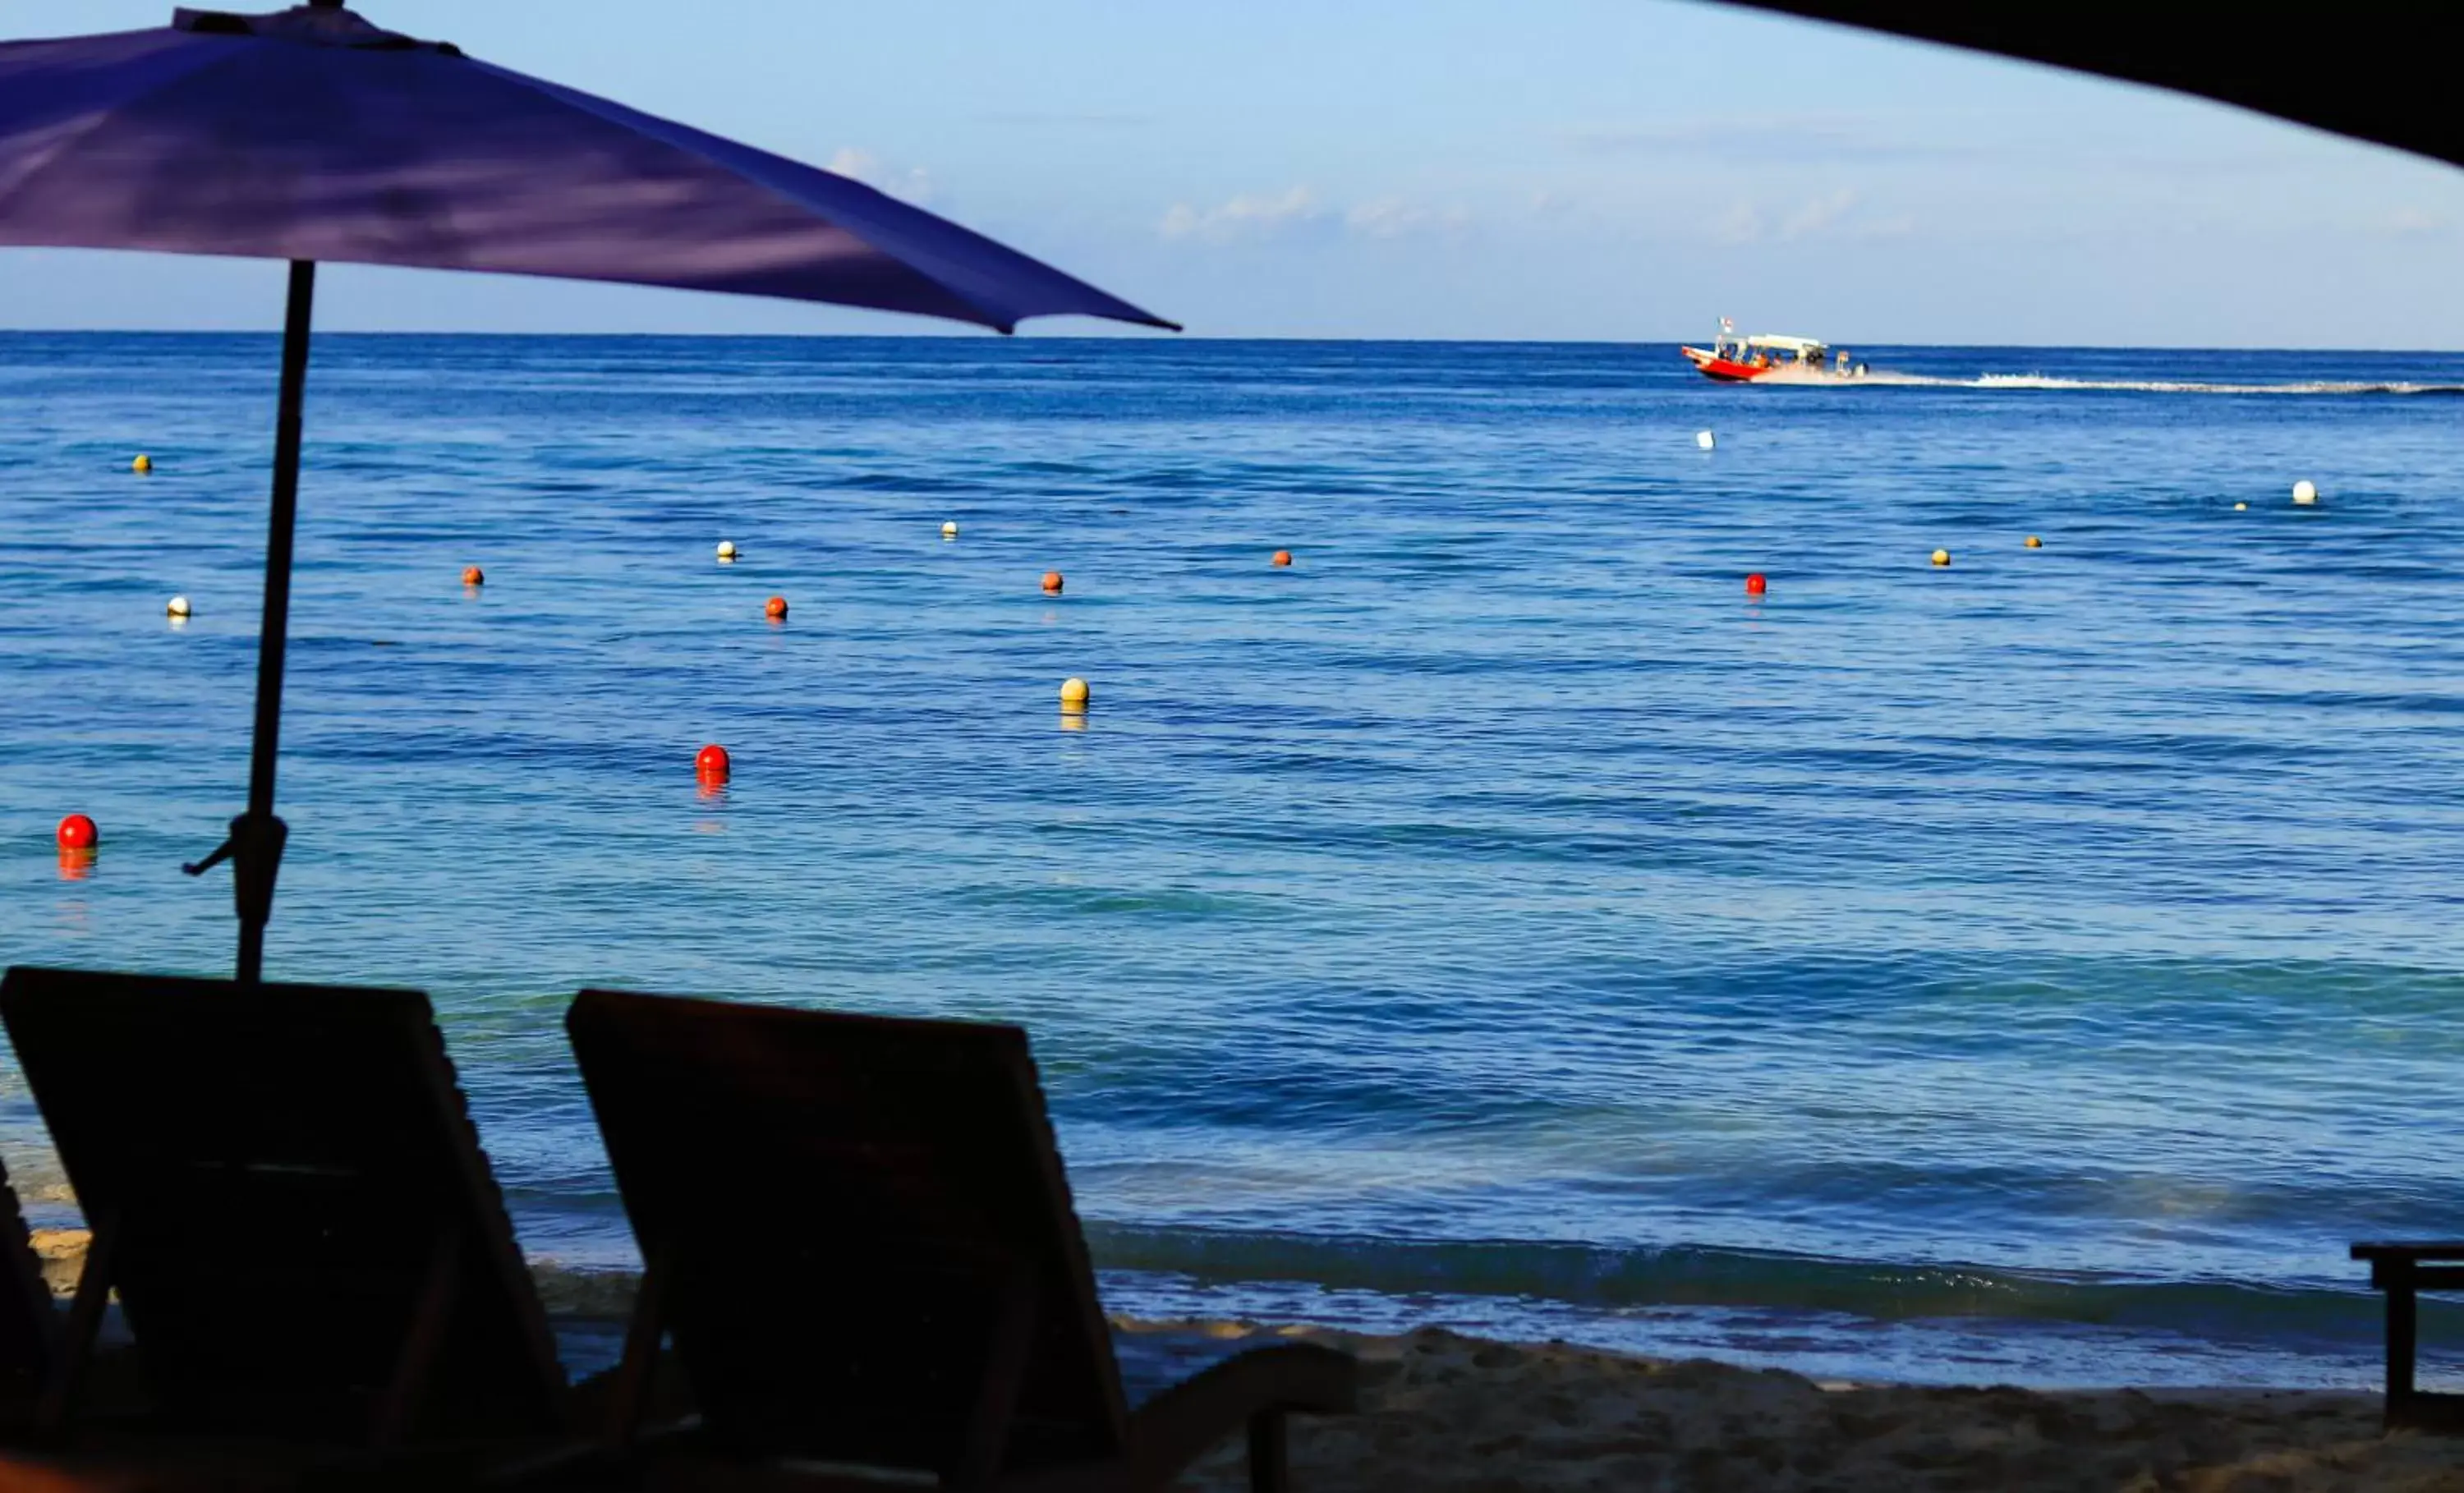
x=288 y=1196
x=841 y=1212
x=29 y=1328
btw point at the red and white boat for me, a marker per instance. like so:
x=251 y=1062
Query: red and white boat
x=1731 y=359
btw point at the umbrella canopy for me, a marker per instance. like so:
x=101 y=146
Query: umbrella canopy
x=2374 y=71
x=310 y=134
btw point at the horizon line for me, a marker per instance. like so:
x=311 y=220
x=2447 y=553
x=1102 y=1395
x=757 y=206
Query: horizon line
x=1161 y=339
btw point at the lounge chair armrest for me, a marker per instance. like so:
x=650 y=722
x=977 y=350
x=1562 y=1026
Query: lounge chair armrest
x=1172 y=1430
x=2438 y=1249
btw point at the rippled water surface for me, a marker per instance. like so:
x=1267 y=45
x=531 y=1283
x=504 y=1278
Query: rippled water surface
x=2039 y=968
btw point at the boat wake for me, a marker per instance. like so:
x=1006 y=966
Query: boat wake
x=2046 y=382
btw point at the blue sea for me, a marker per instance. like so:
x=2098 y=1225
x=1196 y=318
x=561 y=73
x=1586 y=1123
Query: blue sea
x=2034 y=970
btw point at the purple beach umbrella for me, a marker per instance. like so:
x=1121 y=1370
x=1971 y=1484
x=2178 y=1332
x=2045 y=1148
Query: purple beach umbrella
x=310 y=134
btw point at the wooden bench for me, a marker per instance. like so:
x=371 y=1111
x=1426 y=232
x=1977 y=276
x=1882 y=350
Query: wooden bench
x=2403 y=1271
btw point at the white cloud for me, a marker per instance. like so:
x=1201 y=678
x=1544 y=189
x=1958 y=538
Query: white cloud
x=1258 y=216
x=1393 y=217
x=1816 y=215
x=1834 y=215
x=2411 y=223
x=1242 y=217
x=913 y=185
x=1740 y=223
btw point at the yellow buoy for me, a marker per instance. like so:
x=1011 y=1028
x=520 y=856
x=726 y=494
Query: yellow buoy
x=726 y=551
x=950 y=529
x=2241 y=508
x=1941 y=557
x=2035 y=543
x=2305 y=492
x=143 y=463
x=1073 y=693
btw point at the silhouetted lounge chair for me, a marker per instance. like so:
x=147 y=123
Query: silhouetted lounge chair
x=286 y=1194
x=2403 y=1271
x=860 y=1238
x=29 y=1326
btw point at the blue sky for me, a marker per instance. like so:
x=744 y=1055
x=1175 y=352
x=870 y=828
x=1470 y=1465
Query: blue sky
x=1559 y=168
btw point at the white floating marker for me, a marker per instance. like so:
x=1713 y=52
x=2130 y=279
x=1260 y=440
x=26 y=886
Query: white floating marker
x=1704 y=439
x=2305 y=493
x=176 y=607
x=950 y=529
x=726 y=550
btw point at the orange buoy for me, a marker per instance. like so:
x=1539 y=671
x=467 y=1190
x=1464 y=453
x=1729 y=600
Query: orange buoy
x=775 y=608
x=1282 y=558
x=1755 y=584
x=472 y=575
x=77 y=832
x=710 y=764
x=1052 y=581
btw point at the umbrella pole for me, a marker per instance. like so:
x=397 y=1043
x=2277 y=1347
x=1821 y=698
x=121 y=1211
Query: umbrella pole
x=256 y=835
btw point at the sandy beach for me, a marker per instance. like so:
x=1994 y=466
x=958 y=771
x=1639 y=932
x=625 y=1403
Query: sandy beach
x=1445 y=1412
x=1452 y=1414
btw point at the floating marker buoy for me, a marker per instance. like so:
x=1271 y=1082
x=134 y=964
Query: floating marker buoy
x=950 y=529
x=141 y=465
x=2241 y=508
x=472 y=575
x=1280 y=558
x=710 y=763
x=1706 y=439
x=176 y=607
x=1941 y=557
x=1052 y=581
x=2035 y=543
x=775 y=608
x=1755 y=584
x=726 y=550
x=1073 y=693
x=77 y=832
x=2305 y=493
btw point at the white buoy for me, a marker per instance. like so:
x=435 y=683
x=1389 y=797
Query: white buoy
x=2305 y=493
x=176 y=607
x=950 y=529
x=726 y=549
x=1706 y=439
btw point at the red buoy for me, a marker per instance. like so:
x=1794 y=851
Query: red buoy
x=1282 y=558
x=77 y=832
x=776 y=608
x=1052 y=581
x=711 y=765
x=472 y=575
x=1755 y=584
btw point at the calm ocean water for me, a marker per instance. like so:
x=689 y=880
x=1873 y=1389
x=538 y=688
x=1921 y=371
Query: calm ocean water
x=2034 y=970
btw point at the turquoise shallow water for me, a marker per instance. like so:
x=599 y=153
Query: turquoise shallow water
x=2037 y=969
